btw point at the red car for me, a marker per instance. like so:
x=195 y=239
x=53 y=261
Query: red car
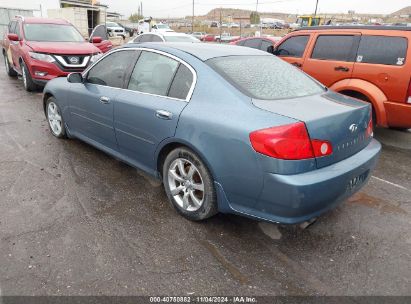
x=209 y=38
x=262 y=43
x=41 y=49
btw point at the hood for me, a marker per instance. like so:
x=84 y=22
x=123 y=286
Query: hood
x=63 y=48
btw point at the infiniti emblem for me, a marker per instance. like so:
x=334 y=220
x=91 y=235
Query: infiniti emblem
x=73 y=60
x=353 y=128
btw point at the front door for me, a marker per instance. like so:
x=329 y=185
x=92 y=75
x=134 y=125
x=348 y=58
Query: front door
x=332 y=58
x=92 y=104
x=148 y=112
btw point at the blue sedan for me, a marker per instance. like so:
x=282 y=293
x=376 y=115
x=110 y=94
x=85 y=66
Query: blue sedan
x=227 y=129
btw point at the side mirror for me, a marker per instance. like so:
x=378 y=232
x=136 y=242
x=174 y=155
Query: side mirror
x=13 y=37
x=275 y=51
x=75 y=78
x=96 y=39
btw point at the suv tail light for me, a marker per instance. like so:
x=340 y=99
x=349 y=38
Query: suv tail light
x=408 y=99
x=290 y=142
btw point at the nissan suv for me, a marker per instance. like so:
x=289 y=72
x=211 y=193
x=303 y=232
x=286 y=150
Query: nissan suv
x=41 y=49
x=371 y=63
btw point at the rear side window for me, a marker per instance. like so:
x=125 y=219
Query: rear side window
x=253 y=43
x=265 y=77
x=266 y=46
x=155 y=38
x=12 y=27
x=293 y=47
x=338 y=47
x=382 y=50
x=241 y=42
x=145 y=38
x=182 y=83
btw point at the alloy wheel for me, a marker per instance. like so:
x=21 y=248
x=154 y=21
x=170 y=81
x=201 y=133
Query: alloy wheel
x=186 y=184
x=6 y=62
x=54 y=119
x=24 y=74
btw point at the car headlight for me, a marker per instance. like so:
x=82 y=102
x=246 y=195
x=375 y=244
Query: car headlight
x=95 y=57
x=41 y=57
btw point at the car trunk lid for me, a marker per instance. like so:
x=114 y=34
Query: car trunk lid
x=338 y=119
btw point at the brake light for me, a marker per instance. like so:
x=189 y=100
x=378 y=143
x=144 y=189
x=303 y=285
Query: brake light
x=290 y=142
x=370 y=131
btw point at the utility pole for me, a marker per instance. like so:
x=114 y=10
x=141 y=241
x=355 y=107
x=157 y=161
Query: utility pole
x=316 y=6
x=192 y=20
x=221 y=21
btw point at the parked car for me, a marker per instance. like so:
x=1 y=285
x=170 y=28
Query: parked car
x=115 y=30
x=128 y=29
x=164 y=37
x=226 y=37
x=41 y=49
x=199 y=35
x=161 y=28
x=100 y=38
x=262 y=43
x=371 y=63
x=209 y=38
x=266 y=142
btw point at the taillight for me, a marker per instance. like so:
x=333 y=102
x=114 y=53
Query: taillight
x=370 y=131
x=408 y=99
x=289 y=142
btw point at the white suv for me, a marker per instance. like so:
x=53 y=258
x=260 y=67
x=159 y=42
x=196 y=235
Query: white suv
x=115 y=30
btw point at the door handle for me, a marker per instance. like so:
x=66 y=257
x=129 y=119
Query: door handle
x=104 y=99
x=163 y=114
x=296 y=64
x=342 y=69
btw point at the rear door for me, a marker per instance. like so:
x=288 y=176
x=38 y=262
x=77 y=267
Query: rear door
x=148 y=111
x=382 y=60
x=332 y=57
x=293 y=50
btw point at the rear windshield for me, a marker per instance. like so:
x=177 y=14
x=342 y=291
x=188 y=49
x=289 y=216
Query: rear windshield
x=180 y=39
x=52 y=33
x=265 y=77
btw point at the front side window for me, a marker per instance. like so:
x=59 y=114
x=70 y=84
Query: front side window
x=266 y=46
x=335 y=47
x=265 y=77
x=153 y=74
x=382 y=50
x=111 y=70
x=52 y=33
x=293 y=47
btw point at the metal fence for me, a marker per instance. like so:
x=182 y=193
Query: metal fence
x=6 y=14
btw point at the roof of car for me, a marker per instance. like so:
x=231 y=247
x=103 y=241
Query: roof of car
x=356 y=27
x=45 y=20
x=202 y=51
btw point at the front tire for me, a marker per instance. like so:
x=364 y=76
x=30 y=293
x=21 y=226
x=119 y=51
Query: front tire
x=55 y=118
x=9 y=70
x=189 y=185
x=29 y=85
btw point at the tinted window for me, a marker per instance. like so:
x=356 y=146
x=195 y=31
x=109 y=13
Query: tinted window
x=266 y=46
x=339 y=48
x=145 y=38
x=382 y=50
x=241 y=42
x=155 y=38
x=253 y=43
x=138 y=39
x=182 y=83
x=111 y=70
x=100 y=31
x=293 y=47
x=153 y=74
x=12 y=26
x=17 y=30
x=265 y=77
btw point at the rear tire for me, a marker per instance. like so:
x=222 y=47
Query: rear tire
x=189 y=185
x=9 y=69
x=28 y=83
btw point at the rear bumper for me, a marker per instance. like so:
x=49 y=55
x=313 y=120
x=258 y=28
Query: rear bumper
x=292 y=199
x=398 y=114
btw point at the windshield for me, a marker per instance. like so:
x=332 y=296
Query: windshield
x=265 y=77
x=112 y=24
x=180 y=39
x=52 y=33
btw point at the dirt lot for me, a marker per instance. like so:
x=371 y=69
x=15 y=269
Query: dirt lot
x=74 y=221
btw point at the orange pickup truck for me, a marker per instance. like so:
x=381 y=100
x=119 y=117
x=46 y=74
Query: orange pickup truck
x=371 y=63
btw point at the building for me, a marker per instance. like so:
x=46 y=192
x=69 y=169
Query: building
x=84 y=14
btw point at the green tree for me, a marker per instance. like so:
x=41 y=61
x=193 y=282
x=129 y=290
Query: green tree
x=135 y=17
x=254 y=18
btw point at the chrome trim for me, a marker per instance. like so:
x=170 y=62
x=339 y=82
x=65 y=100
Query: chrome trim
x=192 y=70
x=65 y=64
